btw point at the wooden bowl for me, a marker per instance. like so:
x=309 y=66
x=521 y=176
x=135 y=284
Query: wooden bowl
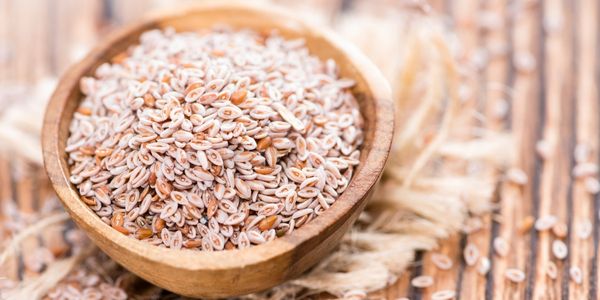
x=232 y=272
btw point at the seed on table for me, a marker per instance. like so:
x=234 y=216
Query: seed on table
x=584 y=229
x=500 y=246
x=526 y=224
x=484 y=266
x=559 y=249
x=592 y=185
x=443 y=295
x=442 y=261
x=543 y=149
x=422 y=281
x=585 y=169
x=551 y=270
x=582 y=153
x=517 y=176
x=524 y=62
x=515 y=275
x=560 y=230
x=471 y=254
x=545 y=222
x=576 y=274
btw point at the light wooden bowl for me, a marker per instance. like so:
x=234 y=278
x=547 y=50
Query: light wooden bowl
x=233 y=272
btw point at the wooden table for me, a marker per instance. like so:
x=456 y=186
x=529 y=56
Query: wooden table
x=548 y=60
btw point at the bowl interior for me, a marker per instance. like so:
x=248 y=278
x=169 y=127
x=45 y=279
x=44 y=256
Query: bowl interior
x=371 y=91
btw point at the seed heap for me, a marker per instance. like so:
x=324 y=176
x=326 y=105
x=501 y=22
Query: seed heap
x=214 y=140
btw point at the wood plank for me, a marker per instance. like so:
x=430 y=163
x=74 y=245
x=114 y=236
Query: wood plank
x=558 y=131
x=518 y=202
x=10 y=268
x=587 y=128
x=27 y=202
x=495 y=74
x=464 y=13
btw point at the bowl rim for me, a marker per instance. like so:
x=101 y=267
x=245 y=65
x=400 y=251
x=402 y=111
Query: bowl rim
x=360 y=185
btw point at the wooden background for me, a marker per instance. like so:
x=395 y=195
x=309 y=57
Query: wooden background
x=545 y=52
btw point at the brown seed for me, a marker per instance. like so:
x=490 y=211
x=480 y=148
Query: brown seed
x=143 y=233
x=103 y=152
x=149 y=99
x=218 y=52
x=89 y=201
x=152 y=178
x=160 y=224
x=213 y=205
x=267 y=223
x=229 y=245
x=264 y=143
x=280 y=232
x=193 y=86
x=560 y=230
x=87 y=150
x=192 y=244
x=166 y=79
x=117 y=219
x=122 y=230
x=263 y=170
x=526 y=224
x=238 y=96
x=84 y=111
x=119 y=58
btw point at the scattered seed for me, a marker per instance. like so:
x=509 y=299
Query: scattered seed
x=422 y=281
x=560 y=230
x=551 y=270
x=443 y=295
x=471 y=254
x=559 y=249
x=500 y=246
x=582 y=153
x=484 y=266
x=576 y=274
x=543 y=149
x=545 y=222
x=515 y=275
x=524 y=62
x=441 y=261
x=526 y=224
x=584 y=229
x=592 y=185
x=585 y=169
x=517 y=176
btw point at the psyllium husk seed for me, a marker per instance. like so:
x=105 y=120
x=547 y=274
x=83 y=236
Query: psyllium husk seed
x=213 y=140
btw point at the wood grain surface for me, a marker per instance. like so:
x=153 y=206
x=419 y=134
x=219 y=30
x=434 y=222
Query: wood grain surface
x=555 y=100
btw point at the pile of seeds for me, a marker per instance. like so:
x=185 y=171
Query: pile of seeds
x=214 y=140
